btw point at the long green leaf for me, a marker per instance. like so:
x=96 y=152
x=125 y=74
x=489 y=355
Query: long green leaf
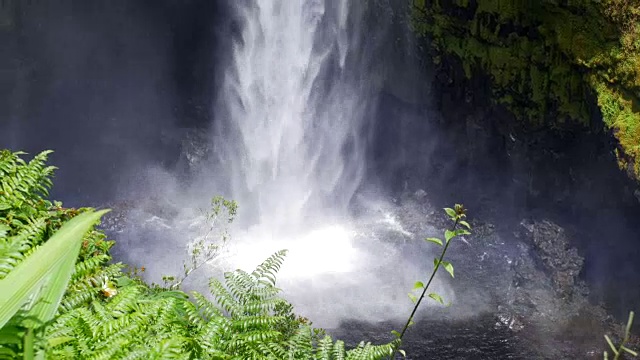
x=53 y=261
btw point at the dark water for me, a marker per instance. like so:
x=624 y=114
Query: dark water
x=505 y=307
x=478 y=338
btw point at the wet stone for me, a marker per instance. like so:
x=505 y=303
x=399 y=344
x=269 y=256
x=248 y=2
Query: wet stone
x=552 y=247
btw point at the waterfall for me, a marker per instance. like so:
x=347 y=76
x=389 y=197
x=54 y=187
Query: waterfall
x=290 y=128
x=290 y=140
x=288 y=143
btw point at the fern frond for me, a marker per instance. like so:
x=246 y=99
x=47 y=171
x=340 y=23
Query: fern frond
x=89 y=266
x=109 y=352
x=269 y=268
x=74 y=298
x=339 y=352
x=250 y=323
x=125 y=301
x=205 y=308
x=239 y=284
x=15 y=248
x=24 y=182
x=324 y=350
x=85 y=324
x=224 y=298
x=259 y=306
x=367 y=351
x=168 y=349
x=301 y=344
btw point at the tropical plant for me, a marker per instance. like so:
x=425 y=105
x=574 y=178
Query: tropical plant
x=105 y=313
x=27 y=221
x=31 y=293
x=208 y=246
x=457 y=216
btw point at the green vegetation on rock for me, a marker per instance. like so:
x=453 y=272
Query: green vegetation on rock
x=61 y=297
x=545 y=58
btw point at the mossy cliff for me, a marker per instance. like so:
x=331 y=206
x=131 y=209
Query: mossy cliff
x=548 y=59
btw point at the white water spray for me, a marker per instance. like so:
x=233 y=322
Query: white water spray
x=291 y=143
x=291 y=136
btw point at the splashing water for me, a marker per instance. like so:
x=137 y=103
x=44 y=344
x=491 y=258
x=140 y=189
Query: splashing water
x=289 y=115
x=323 y=250
x=291 y=144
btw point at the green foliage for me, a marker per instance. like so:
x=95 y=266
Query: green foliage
x=108 y=314
x=208 y=246
x=620 y=350
x=31 y=293
x=457 y=216
x=545 y=58
x=27 y=221
x=249 y=322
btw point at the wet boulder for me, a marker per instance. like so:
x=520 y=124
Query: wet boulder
x=552 y=248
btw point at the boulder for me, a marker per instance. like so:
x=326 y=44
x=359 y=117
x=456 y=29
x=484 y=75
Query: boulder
x=554 y=252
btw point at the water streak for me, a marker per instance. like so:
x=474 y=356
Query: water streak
x=291 y=140
x=291 y=121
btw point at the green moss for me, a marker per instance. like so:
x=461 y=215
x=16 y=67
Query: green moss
x=544 y=58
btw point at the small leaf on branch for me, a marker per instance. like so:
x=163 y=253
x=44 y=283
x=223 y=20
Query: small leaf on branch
x=448 y=235
x=450 y=212
x=434 y=240
x=436 y=297
x=462 y=232
x=447 y=266
x=412 y=297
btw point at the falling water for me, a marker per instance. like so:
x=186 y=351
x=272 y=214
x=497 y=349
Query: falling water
x=291 y=127
x=291 y=144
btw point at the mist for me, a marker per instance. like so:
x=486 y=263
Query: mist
x=322 y=120
x=294 y=118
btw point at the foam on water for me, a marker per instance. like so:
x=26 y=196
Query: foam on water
x=324 y=250
x=291 y=147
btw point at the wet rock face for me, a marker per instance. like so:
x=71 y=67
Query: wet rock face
x=552 y=247
x=517 y=295
x=477 y=154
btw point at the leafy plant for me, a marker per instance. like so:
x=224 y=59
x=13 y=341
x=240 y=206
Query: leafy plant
x=621 y=349
x=27 y=220
x=108 y=314
x=33 y=289
x=457 y=216
x=250 y=328
x=60 y=297
x=207 y=247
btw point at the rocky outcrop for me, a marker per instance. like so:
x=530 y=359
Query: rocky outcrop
x=555 y=65
x=558 y=258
